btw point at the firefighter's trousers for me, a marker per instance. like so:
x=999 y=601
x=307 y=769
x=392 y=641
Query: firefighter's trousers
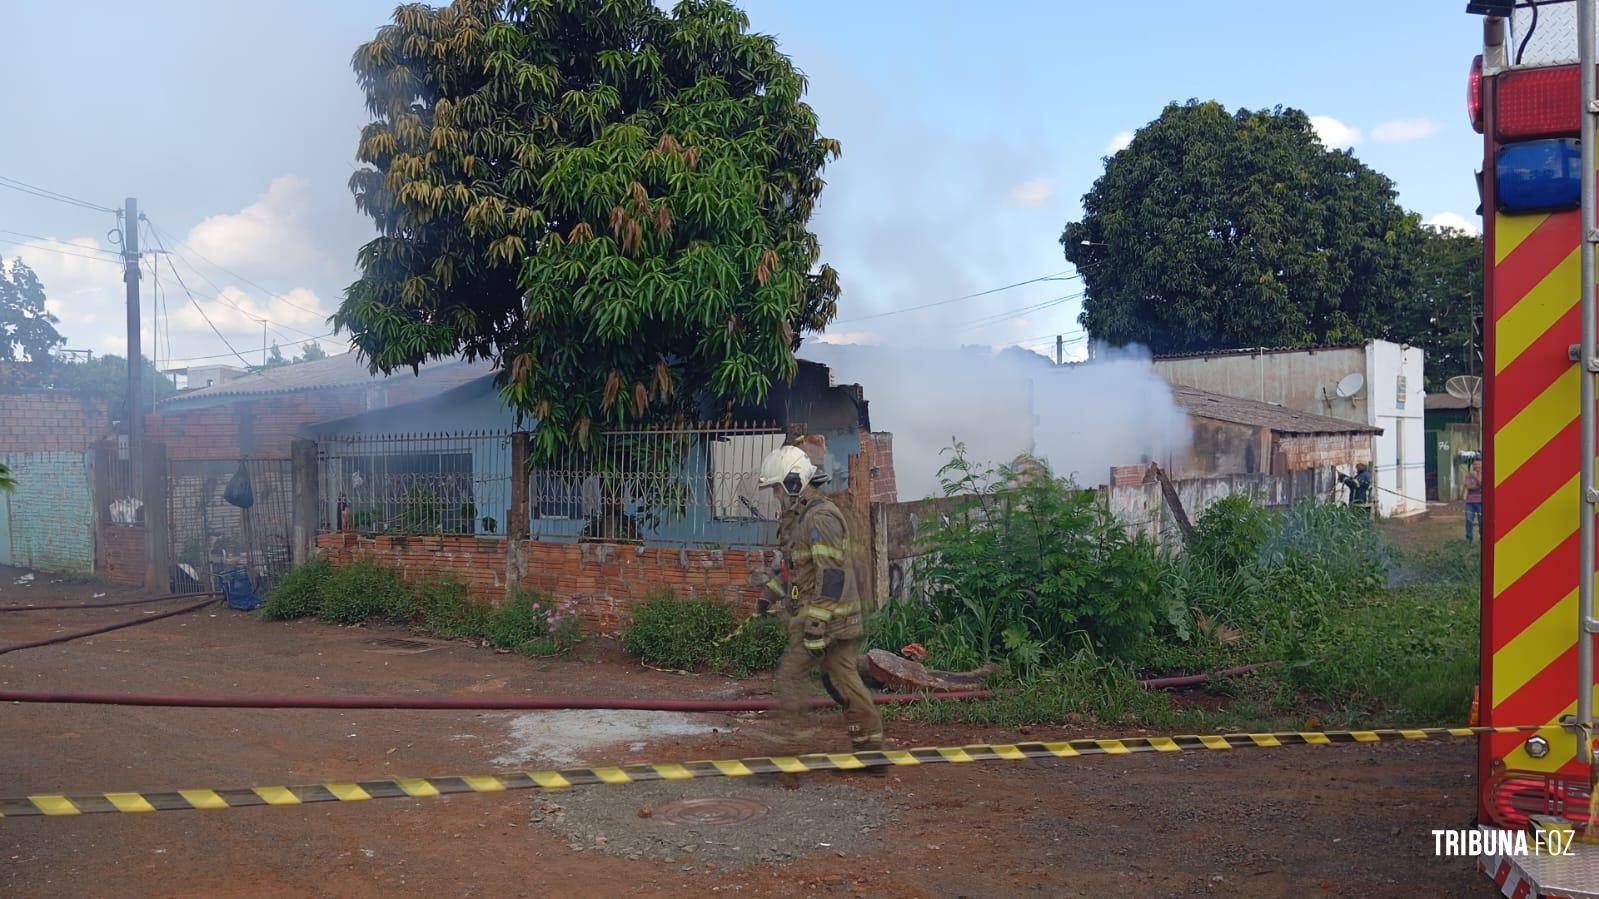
x=838 y=665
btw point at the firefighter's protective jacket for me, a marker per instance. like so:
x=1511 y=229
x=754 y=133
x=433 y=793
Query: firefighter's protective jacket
x=824 y=592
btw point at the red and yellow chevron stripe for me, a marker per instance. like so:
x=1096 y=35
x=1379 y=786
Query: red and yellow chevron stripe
x=1533 y=412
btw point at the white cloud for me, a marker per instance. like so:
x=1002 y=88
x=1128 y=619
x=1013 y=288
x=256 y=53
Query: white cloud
x=1333 y=133
x=271 y=234
x=1404 y=129
x=1454 y=220
x=1120 y=142
x=1033 y=193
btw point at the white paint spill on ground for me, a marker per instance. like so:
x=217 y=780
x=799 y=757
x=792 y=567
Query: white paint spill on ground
x=565 y=737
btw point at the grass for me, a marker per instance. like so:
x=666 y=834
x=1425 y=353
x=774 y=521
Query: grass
x=367 y=590
x=1358 y=651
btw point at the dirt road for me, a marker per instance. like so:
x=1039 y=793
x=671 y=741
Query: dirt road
x=1348 y=821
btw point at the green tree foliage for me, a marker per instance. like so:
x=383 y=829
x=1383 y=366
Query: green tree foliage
x=610 y=199
x=1437 y=315
x=311 y=353
x=276 y=360
x=106 y=377
x=1217 y=229
x=6 y=481
x=27 y=329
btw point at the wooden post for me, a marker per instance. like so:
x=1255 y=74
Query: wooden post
x=1174 y=502
x=307 y=501
x=157 y=528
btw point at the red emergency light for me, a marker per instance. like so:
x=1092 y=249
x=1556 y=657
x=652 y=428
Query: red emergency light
x=1534 y=103
x=1474 y=94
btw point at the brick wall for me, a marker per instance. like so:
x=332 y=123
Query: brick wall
x=51 y=422
x=884 y=489
x=264 y=426
x=47 y=522
x=1312 y=451
x=606 y=580
x=121 y=555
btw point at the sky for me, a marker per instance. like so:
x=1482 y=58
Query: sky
x=970 y=133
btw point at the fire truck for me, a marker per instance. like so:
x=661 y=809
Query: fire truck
x=1532 y=95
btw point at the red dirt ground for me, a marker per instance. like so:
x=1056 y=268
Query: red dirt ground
x=1347 y=821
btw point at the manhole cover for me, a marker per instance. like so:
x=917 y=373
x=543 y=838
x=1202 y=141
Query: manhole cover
x=711 y=812
x=396 y=645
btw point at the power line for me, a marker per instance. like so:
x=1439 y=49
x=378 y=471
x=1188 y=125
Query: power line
x=65 y=243
x=33 y=246
x=1006 y=316
x=231 y=355
x=222 y=297
x=47 y=194
x=199 y=309
x=234 y=274
x=970 y=296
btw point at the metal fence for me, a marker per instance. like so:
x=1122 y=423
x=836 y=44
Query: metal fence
x=211 y=535
x=416 y=483
x=124 y=503
x=662 y=485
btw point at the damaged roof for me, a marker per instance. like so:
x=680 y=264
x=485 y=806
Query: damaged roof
x=1237 y=410
x=343 y=370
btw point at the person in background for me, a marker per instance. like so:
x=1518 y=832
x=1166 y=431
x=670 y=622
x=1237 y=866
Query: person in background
x=1359 y=487
x=1473 y=498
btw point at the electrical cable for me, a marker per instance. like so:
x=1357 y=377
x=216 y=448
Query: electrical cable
x=231 y=355
x=269 y=293
x=983 y=293
x=207 y=318
x=997 y=318
x=222 y=297
x=76 y=246
x=34 y=246
x=47 y=194
x=1531 y=27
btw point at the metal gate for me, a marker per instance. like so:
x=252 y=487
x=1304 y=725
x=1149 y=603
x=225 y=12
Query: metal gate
x=210 y=535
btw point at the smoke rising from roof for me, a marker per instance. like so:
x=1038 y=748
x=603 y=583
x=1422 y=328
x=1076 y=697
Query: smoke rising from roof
x=1088 y=417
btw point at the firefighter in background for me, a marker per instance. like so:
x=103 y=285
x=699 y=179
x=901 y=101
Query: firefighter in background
x=1359 y=487
x=824 y=612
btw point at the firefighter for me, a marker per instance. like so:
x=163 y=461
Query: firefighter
x=824 y=611
x=1359 y=487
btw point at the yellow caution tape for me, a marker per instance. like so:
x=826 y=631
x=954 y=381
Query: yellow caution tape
x=416 y=788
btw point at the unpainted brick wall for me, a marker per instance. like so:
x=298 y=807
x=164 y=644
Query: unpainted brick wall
x=121 y=555
x=49 y=518
x=1324 y=450
x=51 y=421
x=264 y=426
x=606 y=580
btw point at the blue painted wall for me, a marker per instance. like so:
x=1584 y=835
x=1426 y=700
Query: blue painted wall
x=48 y=521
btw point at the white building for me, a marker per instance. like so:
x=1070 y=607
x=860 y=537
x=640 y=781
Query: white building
x=1376 y=383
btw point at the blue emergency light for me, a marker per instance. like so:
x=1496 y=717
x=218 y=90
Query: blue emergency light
x=1539 y=175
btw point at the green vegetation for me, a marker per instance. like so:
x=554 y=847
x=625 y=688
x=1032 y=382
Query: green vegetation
x=1034 y=575
x=367 y=590
x=693 y=633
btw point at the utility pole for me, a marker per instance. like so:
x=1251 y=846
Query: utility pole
x=1060 y=349
x=130 y=277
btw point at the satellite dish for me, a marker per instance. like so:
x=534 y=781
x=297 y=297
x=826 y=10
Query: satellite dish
x=1350 y=385
x=1464 y=387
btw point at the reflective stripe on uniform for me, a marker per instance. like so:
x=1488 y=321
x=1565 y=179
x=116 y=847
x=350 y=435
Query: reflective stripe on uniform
x=822 y=613
x=827 y=552
x=816 y=644
x=801 y=555
x=775 y=587
x=819 y=613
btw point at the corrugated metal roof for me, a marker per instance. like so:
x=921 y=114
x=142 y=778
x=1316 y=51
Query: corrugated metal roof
x=1263 y=350
x=1255 y=413
x=343 y=370
x=1445 y=401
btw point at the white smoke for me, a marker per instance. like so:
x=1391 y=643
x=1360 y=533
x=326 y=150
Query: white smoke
x=1112 y=410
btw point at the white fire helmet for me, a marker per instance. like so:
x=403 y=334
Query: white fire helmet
x=789 y=467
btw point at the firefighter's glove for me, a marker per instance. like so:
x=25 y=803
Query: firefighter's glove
x=763 y=607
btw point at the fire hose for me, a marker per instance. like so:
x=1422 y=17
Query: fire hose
x=105 y=629
x=443 y=703
x=102 y=605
